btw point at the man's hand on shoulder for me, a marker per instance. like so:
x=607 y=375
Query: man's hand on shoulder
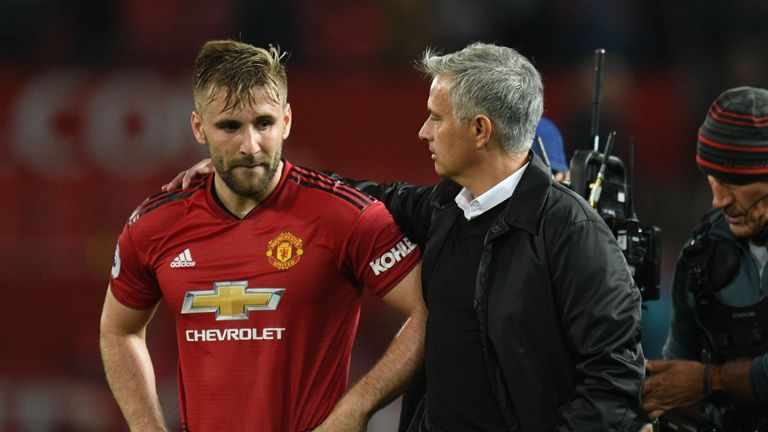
x=184 y=178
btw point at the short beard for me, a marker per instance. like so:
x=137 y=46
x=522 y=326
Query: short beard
x=249 y=189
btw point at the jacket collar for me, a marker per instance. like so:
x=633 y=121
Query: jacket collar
x=525 y=208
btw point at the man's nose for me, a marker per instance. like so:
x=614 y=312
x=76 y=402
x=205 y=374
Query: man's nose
x=721 y=197
x=425 y=133
x=250 y=144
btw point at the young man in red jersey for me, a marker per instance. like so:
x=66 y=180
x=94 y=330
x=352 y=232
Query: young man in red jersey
x=262 y=265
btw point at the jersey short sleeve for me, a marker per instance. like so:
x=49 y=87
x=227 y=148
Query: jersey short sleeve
x=131 y=281
x=379 y=254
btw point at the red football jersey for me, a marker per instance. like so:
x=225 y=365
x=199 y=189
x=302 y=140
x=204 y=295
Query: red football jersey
x=266 y=307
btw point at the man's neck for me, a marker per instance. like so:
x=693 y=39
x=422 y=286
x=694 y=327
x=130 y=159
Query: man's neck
x=491 y=172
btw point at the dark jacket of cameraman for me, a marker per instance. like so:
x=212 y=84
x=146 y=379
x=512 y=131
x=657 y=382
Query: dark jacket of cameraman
x=733 y=279
x=557 y=308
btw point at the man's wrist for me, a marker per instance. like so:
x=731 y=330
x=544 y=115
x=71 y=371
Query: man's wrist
x=714 y=392
x=716 y=378
x=706 y=386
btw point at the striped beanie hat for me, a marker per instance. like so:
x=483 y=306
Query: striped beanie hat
x=733 y=141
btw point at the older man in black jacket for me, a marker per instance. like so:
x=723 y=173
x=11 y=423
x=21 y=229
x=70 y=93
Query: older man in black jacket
x=534 y=319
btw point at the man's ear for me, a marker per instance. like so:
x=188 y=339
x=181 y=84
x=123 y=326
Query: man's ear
x=197 y=128
x=481 y=129
x=287 y=118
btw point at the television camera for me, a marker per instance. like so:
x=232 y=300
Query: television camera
x=601 y=179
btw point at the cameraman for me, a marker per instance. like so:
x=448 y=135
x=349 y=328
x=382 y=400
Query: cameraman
x=717 y=347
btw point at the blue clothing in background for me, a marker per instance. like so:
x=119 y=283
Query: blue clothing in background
x=553 y=145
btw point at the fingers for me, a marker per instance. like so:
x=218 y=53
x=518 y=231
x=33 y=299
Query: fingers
x=186 y=179
x=203 y=167
x=203 y=164
x=653 y=409
x=647 y=388
x=175 y=183
x=657 y=365
x=198 y=170
x=652 y=385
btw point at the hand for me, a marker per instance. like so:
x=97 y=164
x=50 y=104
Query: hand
x=184 y=178
x=674 y=383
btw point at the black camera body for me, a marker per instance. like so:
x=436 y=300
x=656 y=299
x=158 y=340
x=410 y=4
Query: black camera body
x=641 y=244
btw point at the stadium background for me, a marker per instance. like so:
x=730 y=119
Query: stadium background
x=94 y=116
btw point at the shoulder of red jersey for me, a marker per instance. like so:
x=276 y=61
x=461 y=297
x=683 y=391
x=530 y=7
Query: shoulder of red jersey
x=165 y=201
x=336 y=189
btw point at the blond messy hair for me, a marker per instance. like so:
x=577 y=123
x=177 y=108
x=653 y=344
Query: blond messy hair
x=238 y=67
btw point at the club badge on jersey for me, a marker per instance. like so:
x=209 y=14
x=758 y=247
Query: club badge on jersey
x=284 y=251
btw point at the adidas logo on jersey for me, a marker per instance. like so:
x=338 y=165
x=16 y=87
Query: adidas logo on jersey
x=183 y=260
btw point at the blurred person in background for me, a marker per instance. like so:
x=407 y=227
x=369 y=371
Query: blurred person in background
x=534 y=319
x=262 y=264
x=717 y=346
x=554 y=150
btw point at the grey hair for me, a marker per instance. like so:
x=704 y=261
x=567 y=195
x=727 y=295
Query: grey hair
x=495 y=81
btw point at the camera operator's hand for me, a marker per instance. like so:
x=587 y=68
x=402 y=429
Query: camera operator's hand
x=674 y=383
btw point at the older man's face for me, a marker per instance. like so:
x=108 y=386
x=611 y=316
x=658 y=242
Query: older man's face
x=450 y=140
x=745 y=206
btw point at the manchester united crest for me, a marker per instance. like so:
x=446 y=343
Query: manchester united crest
x=284 y=251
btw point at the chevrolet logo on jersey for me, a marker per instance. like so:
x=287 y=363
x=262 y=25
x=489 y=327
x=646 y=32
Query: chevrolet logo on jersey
x=232 y=300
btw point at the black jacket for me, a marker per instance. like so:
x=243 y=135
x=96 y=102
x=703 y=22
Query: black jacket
x=556 y=304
